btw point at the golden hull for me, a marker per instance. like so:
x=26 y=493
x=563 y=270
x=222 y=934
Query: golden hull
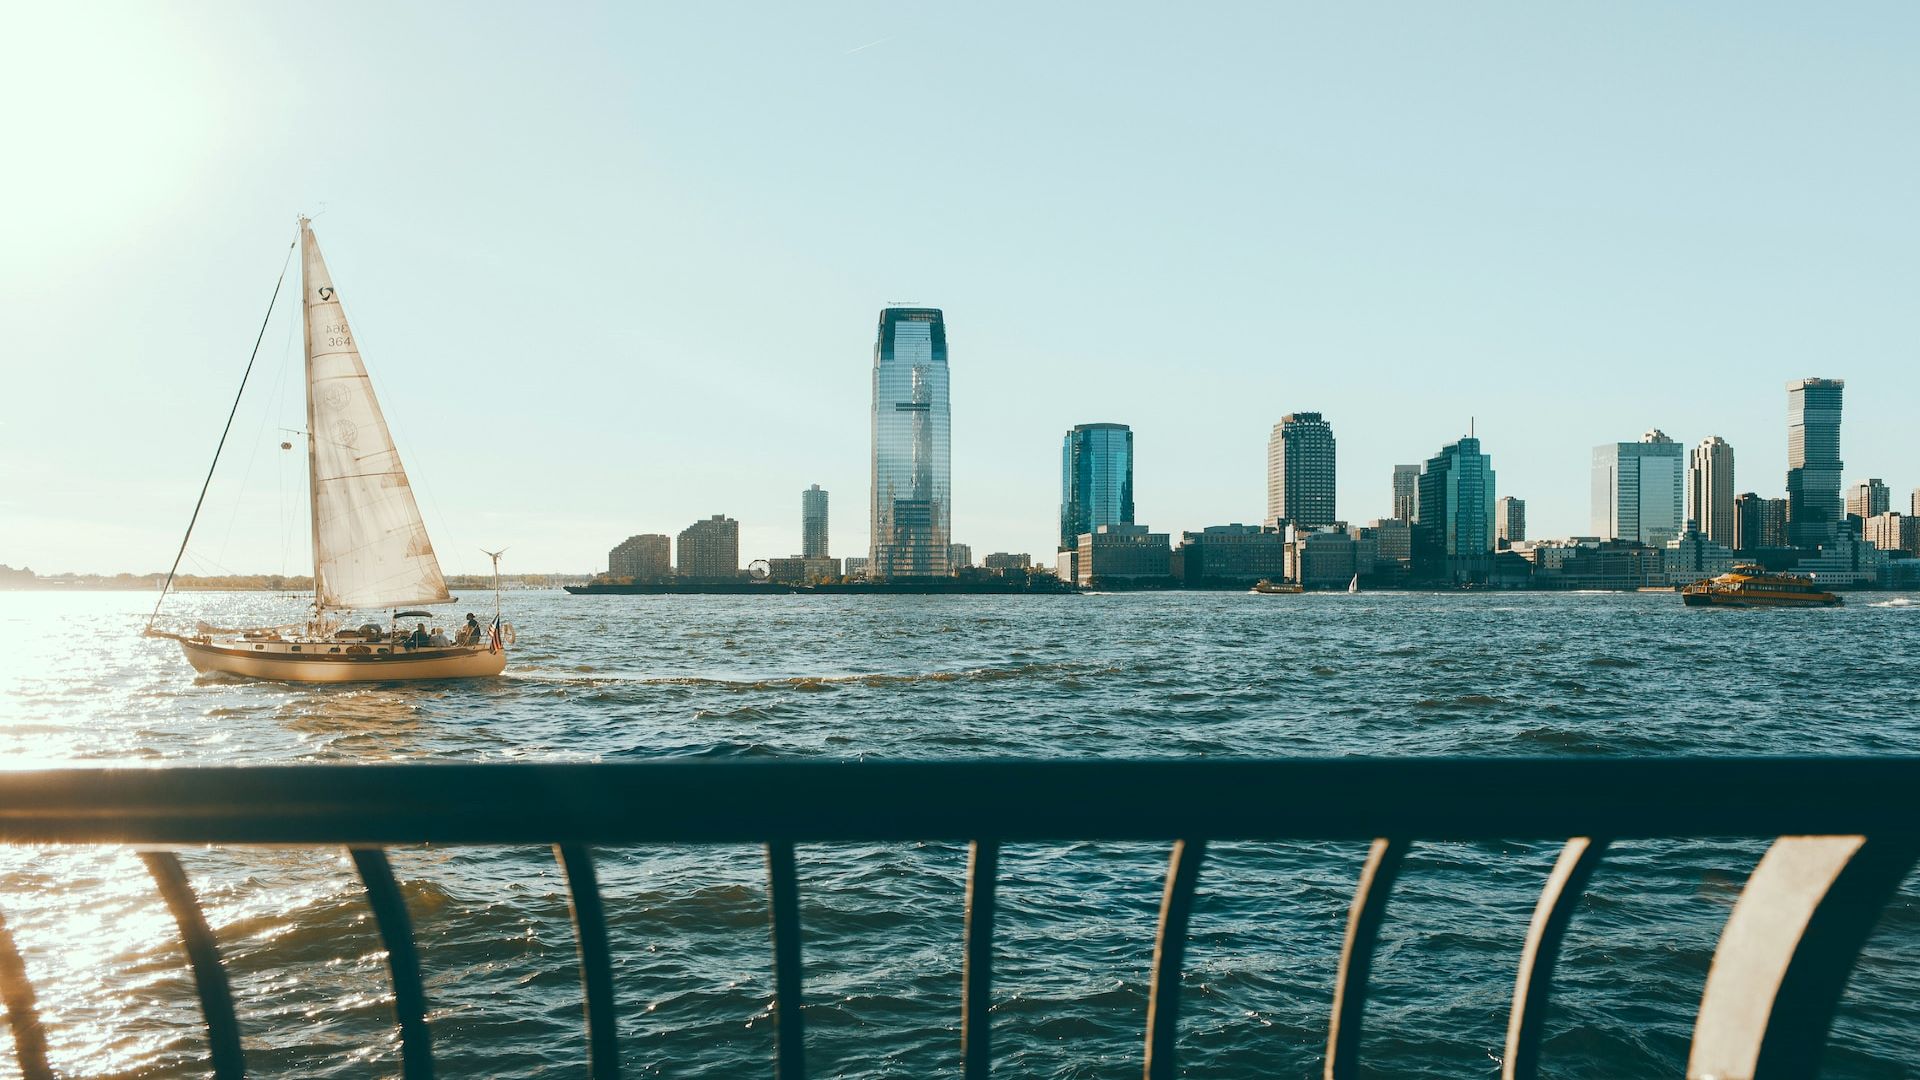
x=1729 y=599
x=457 y=662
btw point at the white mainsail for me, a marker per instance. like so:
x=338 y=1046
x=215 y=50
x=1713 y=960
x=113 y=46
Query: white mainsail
x=370 y=548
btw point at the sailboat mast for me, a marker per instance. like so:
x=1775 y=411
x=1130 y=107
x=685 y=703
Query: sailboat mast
x=313 y=464
x=174 y=570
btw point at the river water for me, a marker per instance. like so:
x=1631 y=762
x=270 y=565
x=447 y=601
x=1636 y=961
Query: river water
x=1141 y=675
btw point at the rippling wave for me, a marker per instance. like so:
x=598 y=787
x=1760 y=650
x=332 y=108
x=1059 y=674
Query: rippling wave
x=1167 y=675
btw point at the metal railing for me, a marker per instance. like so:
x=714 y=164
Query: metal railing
x=1848 y=833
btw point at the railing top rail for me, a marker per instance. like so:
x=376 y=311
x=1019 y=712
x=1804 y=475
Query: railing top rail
x=1010 y=800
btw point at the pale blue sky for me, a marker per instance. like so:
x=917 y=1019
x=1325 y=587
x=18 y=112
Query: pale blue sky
x=615 y=269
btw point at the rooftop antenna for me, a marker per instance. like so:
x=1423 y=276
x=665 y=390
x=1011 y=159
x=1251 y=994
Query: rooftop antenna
x=1470 y=421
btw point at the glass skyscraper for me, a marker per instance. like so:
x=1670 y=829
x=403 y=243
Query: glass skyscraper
x=1096 y=480
x=1813 y=461
x=1300 y=471
x=912 y=421
x=1453 y=532
x=813 y=523
x=1639 y=490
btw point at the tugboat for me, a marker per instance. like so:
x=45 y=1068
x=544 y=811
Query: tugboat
x=1753 y=586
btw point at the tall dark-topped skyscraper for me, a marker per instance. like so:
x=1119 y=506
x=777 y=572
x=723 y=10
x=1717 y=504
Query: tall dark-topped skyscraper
x=1300 y=471
x=1096 y=480
x=1813 y=460
x=1453 y=535
x=912 y=420
x=813 y=523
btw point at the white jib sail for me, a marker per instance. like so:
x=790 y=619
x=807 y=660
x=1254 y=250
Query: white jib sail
x=370 y=548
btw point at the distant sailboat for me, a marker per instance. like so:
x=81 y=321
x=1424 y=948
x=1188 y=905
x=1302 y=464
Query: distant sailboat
x=1354 y=585
x=370 y=546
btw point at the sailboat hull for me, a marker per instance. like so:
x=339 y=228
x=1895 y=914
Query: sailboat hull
x=309 y=662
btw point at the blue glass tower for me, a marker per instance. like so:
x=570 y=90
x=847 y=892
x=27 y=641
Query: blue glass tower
x=1453 y=535
x=1814 y=506
x=1096 y=480
x=912 y=422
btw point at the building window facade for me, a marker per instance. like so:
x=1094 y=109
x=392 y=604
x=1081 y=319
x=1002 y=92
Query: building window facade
x=912 y=423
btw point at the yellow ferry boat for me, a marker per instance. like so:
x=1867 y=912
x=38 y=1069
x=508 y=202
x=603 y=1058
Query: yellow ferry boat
x=1753 y=586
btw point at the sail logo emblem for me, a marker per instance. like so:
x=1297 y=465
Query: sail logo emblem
x=326 y=292
x=346 y=433
x=336 y=396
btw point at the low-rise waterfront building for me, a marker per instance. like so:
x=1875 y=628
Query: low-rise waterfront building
x=856 y=567
x=1392 y=545
x=1611 y=564
x=1695 y=555
x=710 y=550
x=1900 y=572
x=1123 y=555
x=959 y=556
x=1326 y=558
x=1226 y=556
x=1846 y=561
x=641 y=558
x=803 y=570
x=1002 y=560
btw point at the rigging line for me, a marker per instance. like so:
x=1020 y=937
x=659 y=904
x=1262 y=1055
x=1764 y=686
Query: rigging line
x=208 y=482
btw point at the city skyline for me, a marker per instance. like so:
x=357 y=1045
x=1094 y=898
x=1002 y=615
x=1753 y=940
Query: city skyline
x=647 y=335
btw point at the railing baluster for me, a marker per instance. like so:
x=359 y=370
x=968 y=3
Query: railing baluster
x=203 y=953
x=789 y=1038
x=1532 y=987
x=976 y=979
x=1356 y=955
x=23 y=1013
x=1169 y=956
x=596 y=962
x=1786 y=951
x=396 y=932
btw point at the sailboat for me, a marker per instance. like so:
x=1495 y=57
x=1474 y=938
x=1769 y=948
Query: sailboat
x=370 y=545
x=1354 y=585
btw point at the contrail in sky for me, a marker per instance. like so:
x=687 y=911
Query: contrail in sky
x=865 y=47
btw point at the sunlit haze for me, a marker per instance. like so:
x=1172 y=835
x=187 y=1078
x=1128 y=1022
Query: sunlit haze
x=618 y=270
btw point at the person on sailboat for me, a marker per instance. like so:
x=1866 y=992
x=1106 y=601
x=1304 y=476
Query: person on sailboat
x=470 y=634
x=419 y=638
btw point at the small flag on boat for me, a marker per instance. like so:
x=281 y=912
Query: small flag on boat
x=493 y=635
